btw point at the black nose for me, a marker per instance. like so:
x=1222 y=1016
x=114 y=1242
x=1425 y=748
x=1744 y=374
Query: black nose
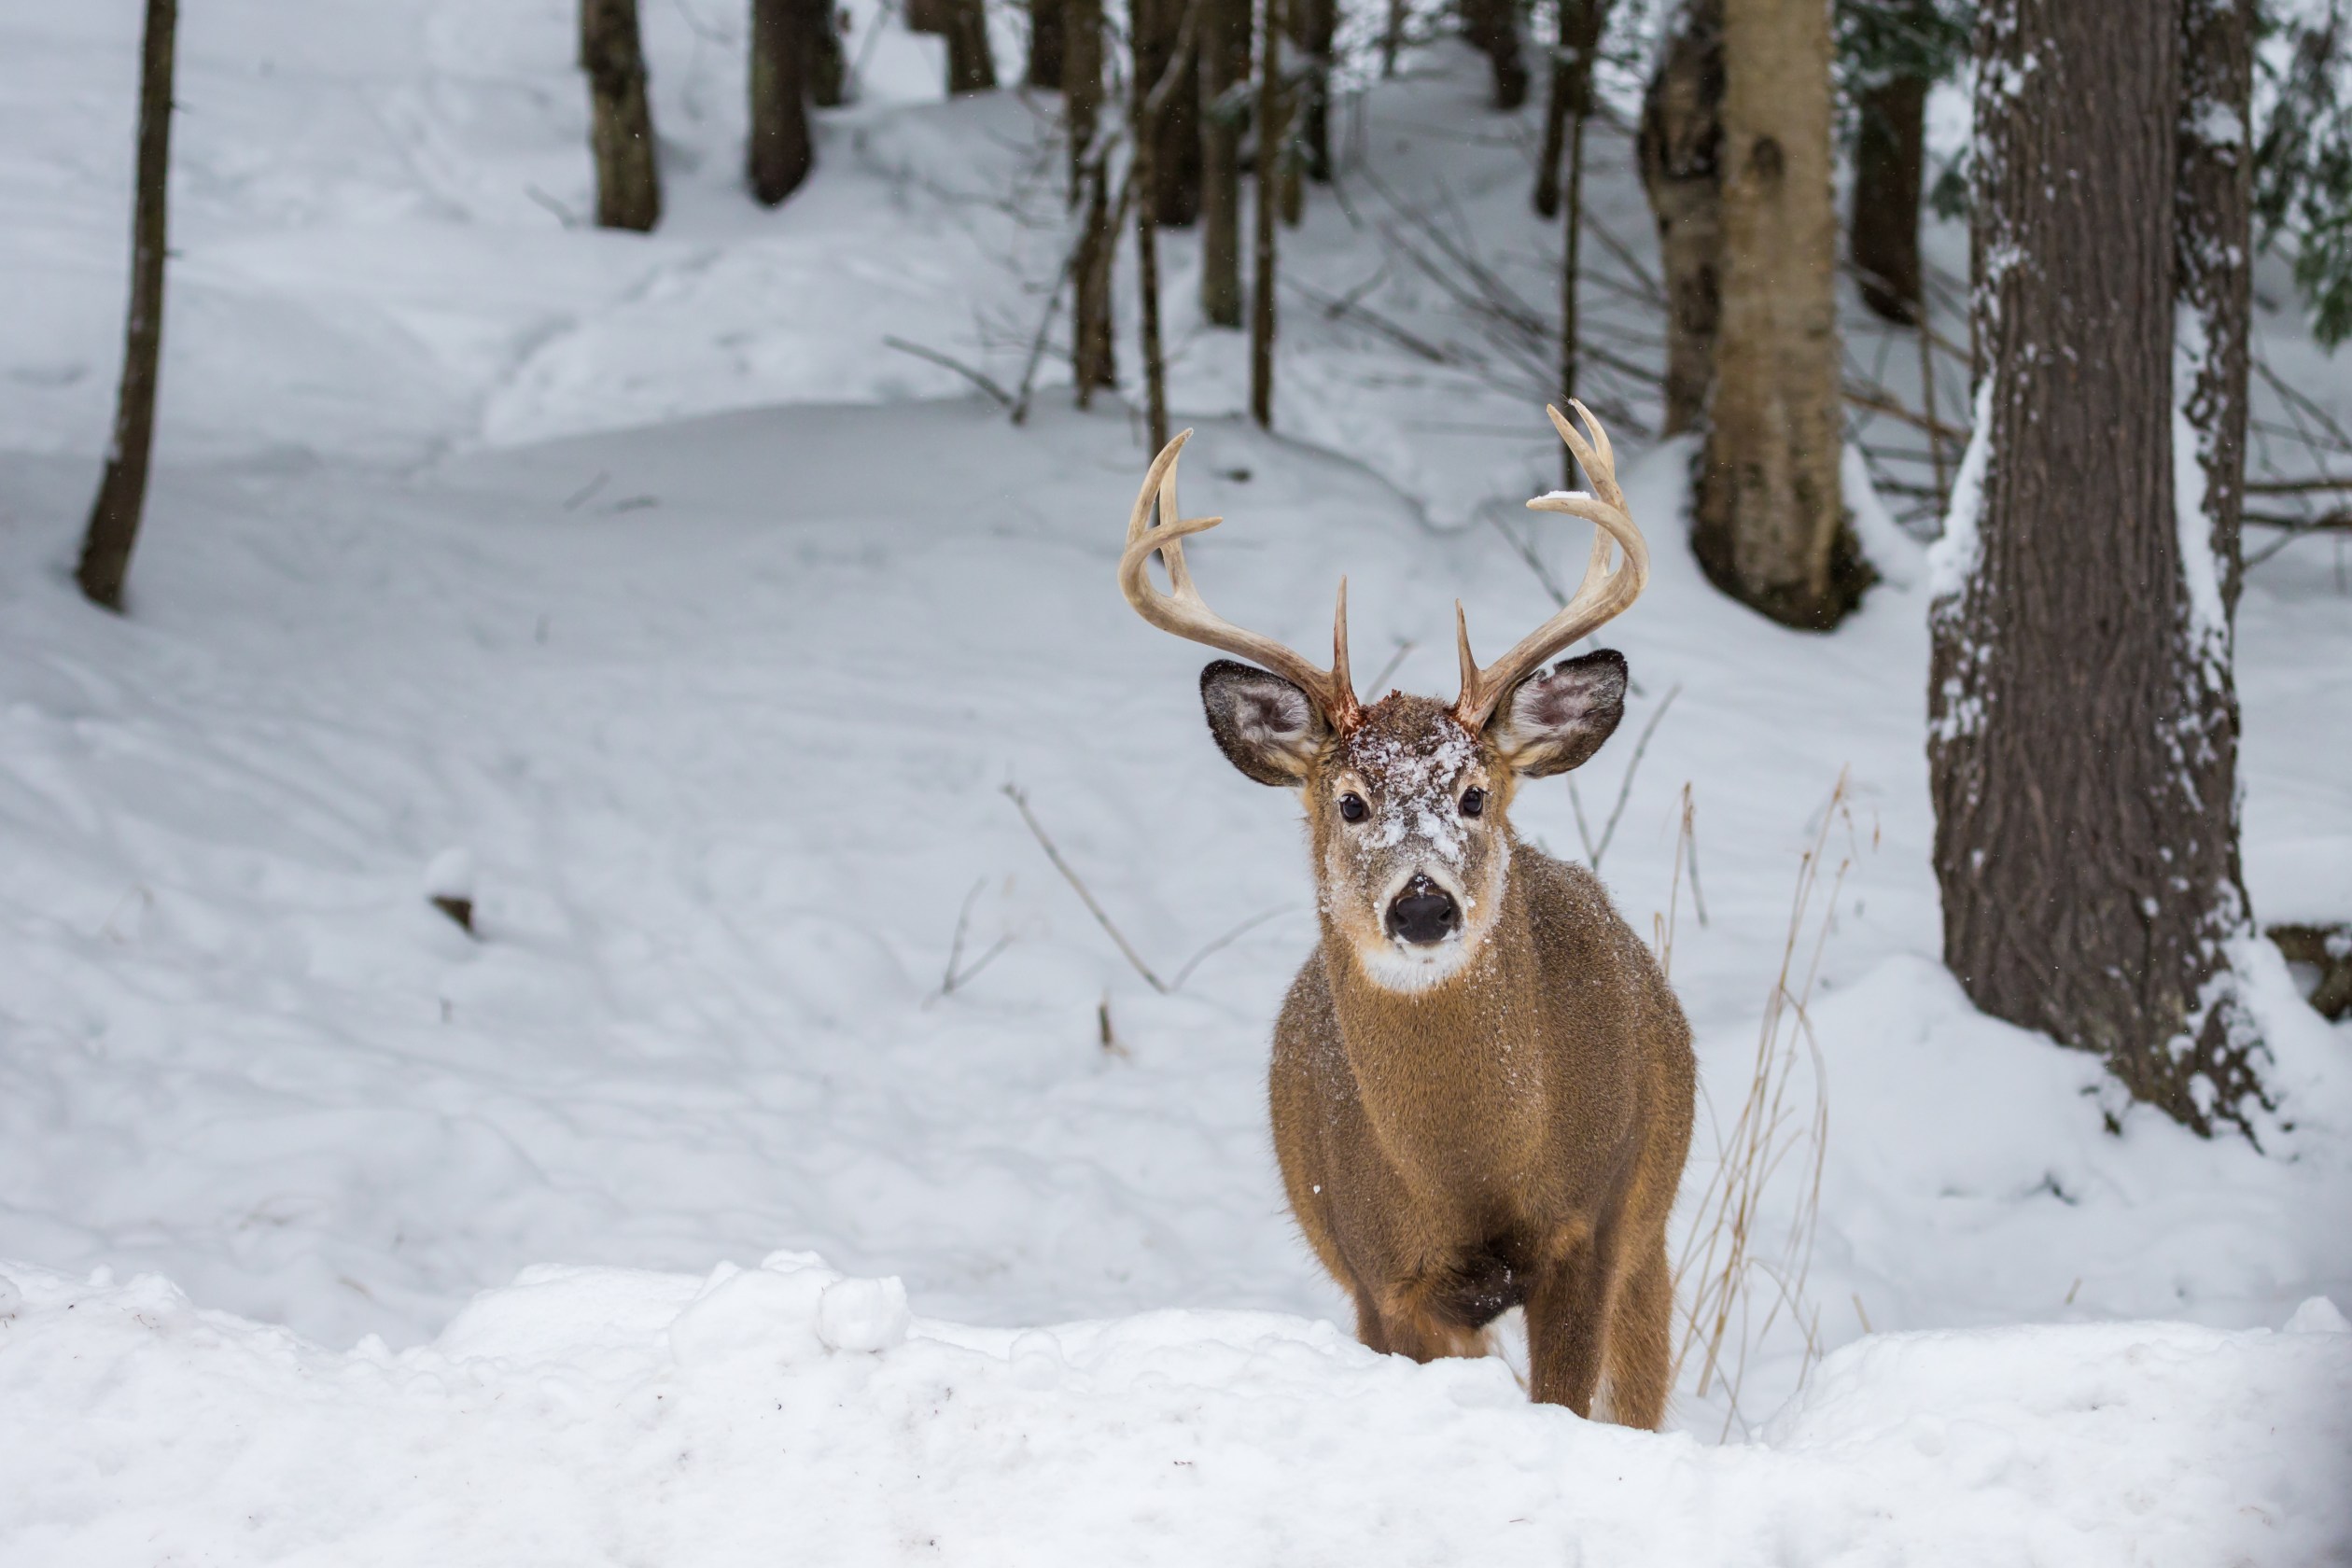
x=1423 y=913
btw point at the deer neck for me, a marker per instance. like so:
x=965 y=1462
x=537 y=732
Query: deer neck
x=1455 y=1072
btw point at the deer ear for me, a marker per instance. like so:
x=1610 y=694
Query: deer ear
x=1266 y=726
x=1556 y=720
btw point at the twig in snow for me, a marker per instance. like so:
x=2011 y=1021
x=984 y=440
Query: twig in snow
x=1625 y=786
x=978 y=378
x=1217 y=944
x=956 y=974
x=1102 y=918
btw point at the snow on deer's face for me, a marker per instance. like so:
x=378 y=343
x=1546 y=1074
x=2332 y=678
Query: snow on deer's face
x=1411 y=848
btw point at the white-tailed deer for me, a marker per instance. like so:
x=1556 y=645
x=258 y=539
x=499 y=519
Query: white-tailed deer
x=1481 y=1084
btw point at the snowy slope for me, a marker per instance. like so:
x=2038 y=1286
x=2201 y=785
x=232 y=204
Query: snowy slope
x=641 y=572
x=786 y=1411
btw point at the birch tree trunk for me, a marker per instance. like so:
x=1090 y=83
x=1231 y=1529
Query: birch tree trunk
x=1680 y=146
x=2082 y=727
x=1769 y=523
x=779 y=153
x=113 y=528
x=621 y=123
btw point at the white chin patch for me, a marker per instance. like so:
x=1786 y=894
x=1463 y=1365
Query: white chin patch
x=1394 y=966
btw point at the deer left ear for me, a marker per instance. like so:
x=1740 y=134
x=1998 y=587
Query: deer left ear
x=1556 y=720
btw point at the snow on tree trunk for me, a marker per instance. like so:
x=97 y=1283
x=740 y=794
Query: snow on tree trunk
x=113 y=516
x=2082 y=726
x=1680 y=145
x=1769 y=523
x=621 y=123
x=778 y=152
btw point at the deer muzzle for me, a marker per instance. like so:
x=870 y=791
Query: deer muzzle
x=1423 y=914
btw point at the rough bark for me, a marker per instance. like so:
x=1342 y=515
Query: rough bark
x=970 y=63
x=779 y=153
x=1224 y=73
x=1493 y=28
x=1045 y=45
x=2082 y=733
x=1680 y=146
x=1768 y=525
x=621 y=122
x=1082 y=87
x=113 y=528
x=1269 y=110
x=1581 y=22
x=1882 y=229
x=2213 y=260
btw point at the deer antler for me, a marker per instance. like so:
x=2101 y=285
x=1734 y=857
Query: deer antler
x=1182 y=611
x=1603 y=594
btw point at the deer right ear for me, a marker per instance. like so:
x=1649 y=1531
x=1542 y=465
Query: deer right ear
x=1266 y=726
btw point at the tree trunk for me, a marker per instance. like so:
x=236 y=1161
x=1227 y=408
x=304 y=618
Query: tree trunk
x=1769 y=527
x=2213 y=266
x=1045 y=45
x=1581 y=24
x=1269 y=110
x=1224 y=73
x=828 y=69
x=970 y=65
x=1882 y=237
x=114 y=515
x=620 y=124
x=1314 y=25
x=1143 y=130
x=1491 y=27
x=2081 y=724
x=1680 y=146
x=779 y=153
x=1175 y=185
x=1081 y=88
x=1093 y=356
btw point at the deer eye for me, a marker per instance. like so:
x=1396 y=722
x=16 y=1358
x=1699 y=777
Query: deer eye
x=1473 y=802
x=1351 y=807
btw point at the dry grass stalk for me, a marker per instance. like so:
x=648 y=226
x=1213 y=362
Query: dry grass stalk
x=1725 y=1312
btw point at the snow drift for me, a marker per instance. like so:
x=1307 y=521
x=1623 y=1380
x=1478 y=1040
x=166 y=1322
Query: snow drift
x=790 y=1413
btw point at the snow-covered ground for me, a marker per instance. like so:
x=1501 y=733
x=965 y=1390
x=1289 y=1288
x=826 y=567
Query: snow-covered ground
x=709 y=628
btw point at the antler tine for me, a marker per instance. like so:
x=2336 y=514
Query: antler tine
x=1183 y=612
x=1604 y=594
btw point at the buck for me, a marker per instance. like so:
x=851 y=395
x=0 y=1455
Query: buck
x=1481 y=1084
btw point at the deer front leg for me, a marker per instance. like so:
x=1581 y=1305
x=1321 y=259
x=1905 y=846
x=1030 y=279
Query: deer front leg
x=1567 y=1320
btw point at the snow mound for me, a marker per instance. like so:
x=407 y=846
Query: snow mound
x=597 y=1415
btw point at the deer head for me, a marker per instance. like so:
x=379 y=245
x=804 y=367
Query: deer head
x=1407 y=800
